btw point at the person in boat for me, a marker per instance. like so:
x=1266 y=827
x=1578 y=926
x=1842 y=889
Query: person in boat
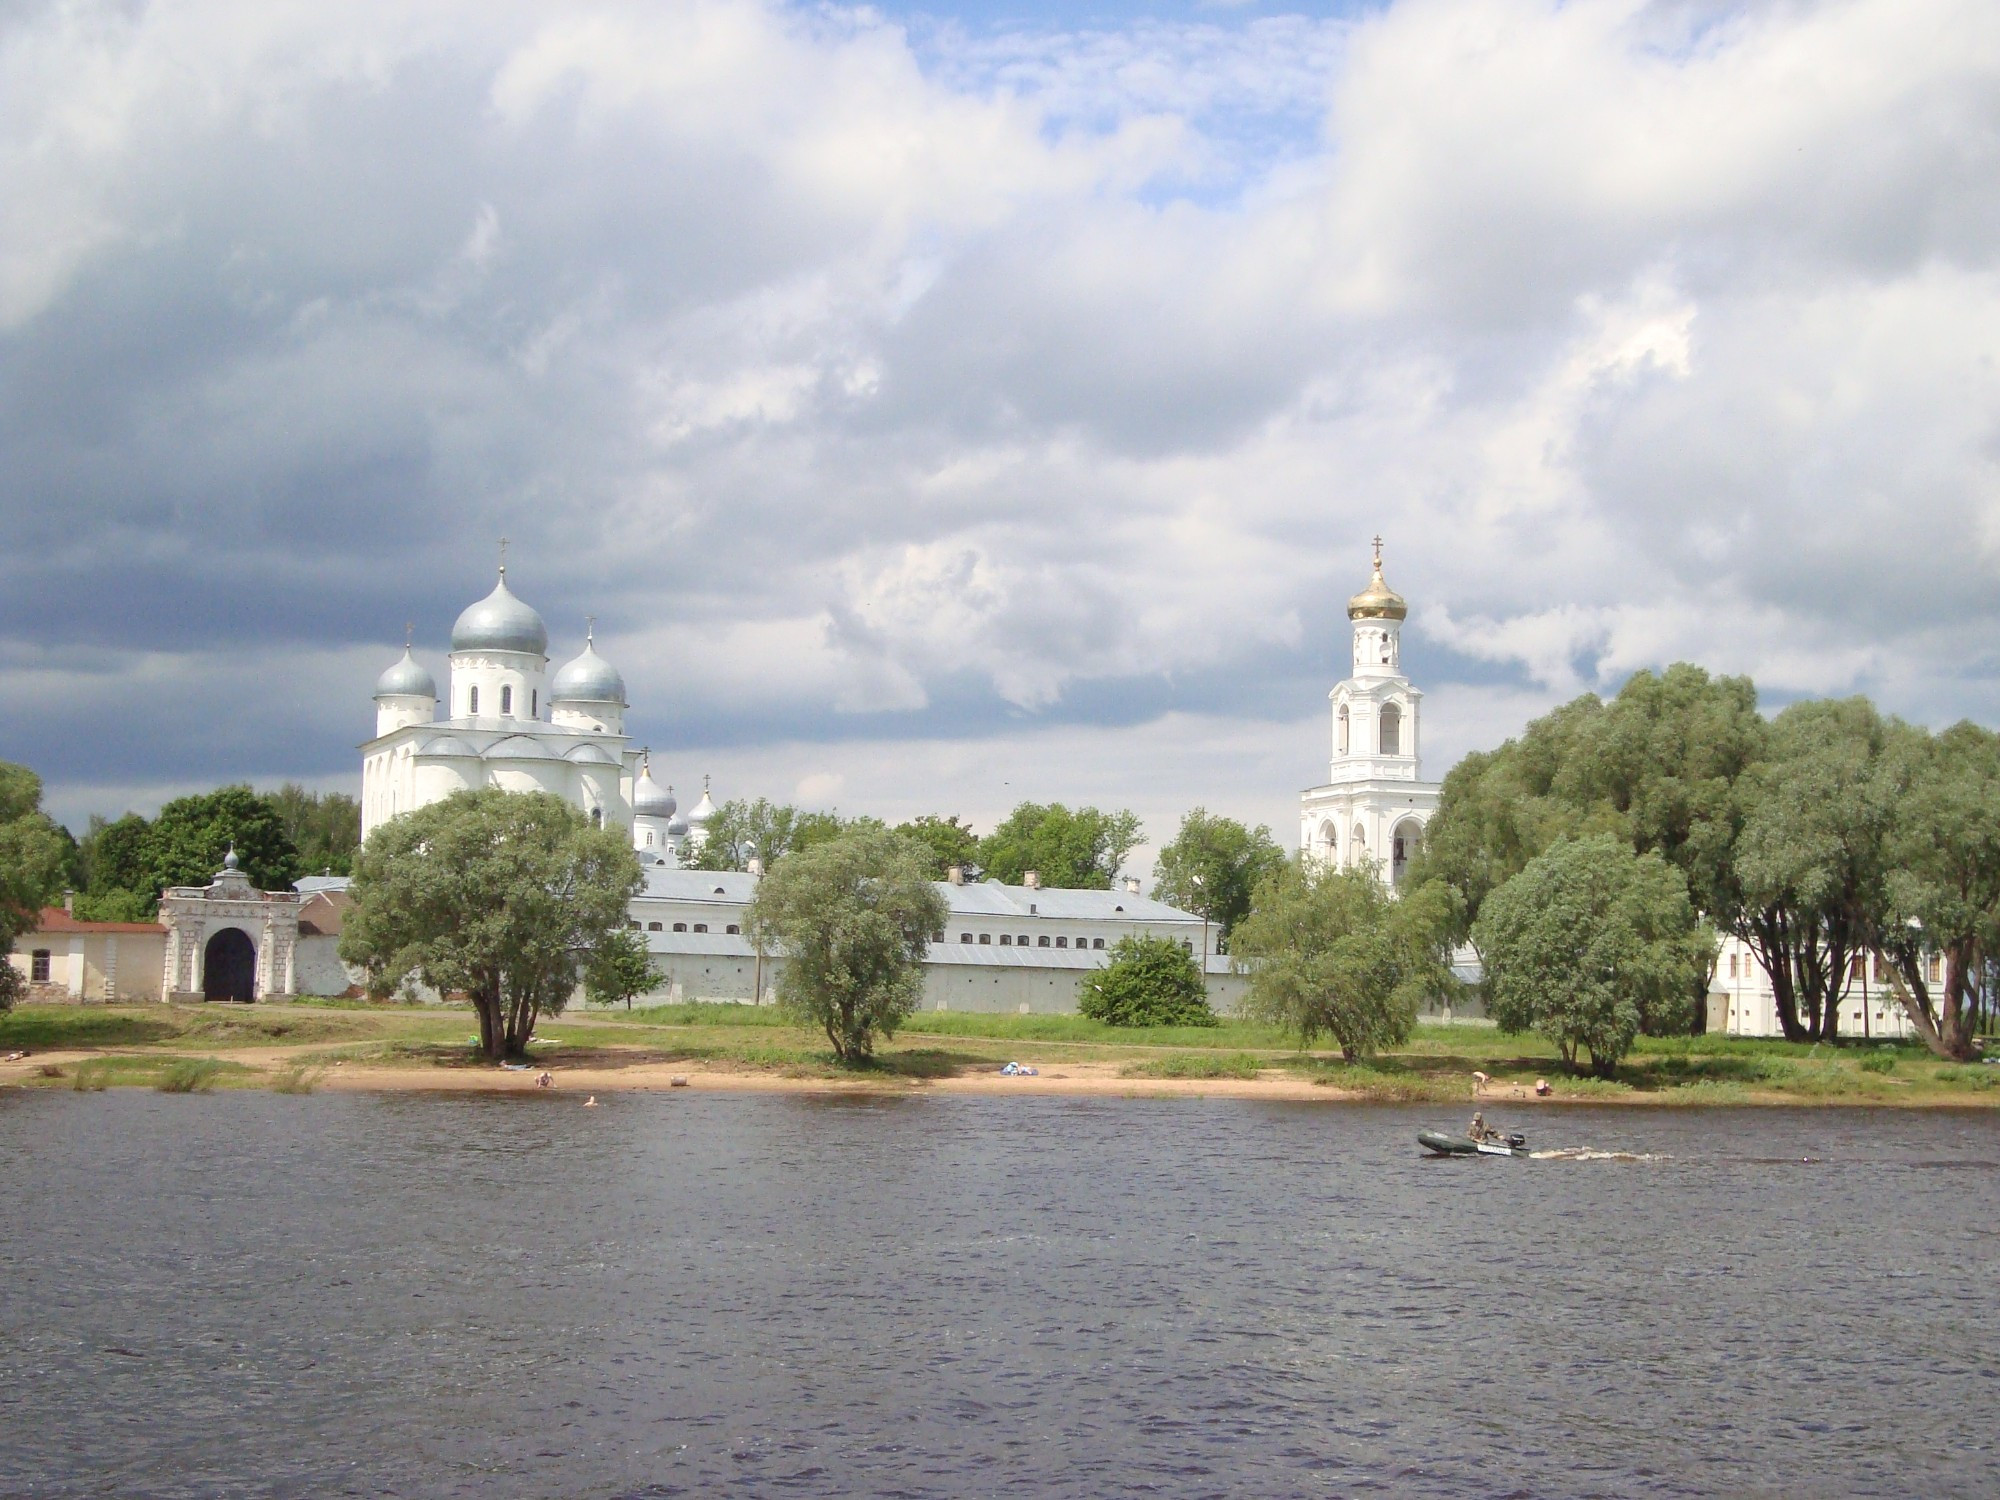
x=1479 y=1130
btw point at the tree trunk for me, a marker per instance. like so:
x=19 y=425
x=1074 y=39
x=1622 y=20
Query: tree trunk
x=487 y=1007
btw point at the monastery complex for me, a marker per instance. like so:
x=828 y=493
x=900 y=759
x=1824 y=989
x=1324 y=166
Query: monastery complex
x=504 y=721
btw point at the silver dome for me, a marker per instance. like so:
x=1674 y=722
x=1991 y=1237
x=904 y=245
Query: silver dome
x=704 y=810
x=650 y=799
x=500 y=622
x=588 y=679
x=406 y=679
x=590 y=755
x=446 y=744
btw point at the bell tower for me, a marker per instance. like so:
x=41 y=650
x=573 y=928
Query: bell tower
x=1372 y=809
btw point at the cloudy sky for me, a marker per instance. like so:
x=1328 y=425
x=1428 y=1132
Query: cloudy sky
x=940 y=406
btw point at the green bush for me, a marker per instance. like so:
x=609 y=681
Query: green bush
x=1195 y=1065
x=1879 y=1062
x=91 y=1077
x=1150 y=981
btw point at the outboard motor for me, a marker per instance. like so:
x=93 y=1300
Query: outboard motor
x=1518 y=1141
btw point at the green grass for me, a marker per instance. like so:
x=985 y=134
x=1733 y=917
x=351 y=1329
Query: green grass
x=1197 y=1065
x=298 y=1078
x=191 y=1075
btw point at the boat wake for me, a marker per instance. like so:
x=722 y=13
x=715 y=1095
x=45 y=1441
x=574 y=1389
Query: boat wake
x=1591 y=1153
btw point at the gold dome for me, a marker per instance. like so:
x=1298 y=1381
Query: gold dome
x=1378 y=601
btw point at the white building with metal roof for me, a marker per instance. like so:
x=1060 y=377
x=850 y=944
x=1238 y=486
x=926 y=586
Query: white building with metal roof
x=1016 y=948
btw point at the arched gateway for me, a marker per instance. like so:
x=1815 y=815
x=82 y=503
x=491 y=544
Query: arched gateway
x=228 y=940
x=229 y=966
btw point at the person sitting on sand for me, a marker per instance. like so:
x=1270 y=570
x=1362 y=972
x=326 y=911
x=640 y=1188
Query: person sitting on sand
x=546 y=1081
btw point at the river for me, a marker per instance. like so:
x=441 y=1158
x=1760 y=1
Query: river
x=688 y=1293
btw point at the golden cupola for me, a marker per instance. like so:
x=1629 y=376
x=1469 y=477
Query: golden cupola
x=1378 y=601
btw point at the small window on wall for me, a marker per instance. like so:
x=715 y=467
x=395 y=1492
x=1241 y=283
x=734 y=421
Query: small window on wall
x=534 y=703
x=506 y=701
x=680 y=927
x=1041 y=942
x=1062 y=942
x=701 y=927
x=1097 y=942
x=655 y=927
x=733 y=930
x=472 y=701
x=38 y=966
x=1937 y=969
x=1006 y=940
x=1392 y=729
x=986 y=937
x=1022 y=940
x=649 y=838
x=1343 y=729
x=965 y=937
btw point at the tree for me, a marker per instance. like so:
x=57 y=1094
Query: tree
x=1658 y=767
x=191 y=835
x=1150 y=981
x=1590 y=945
x=1805 y=884
x=1213 y=866
x=34 y=862
x=619 y=969
x=772 y=830
x=505 y=897
x=116 y=869
x=1080 y=850
x=325 y=827
x=950 y=841
x=1944 y=883
x=1331 y=951
x=852 y=918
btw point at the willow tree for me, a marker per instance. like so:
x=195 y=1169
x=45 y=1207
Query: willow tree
x=852 y=919
x=1332 y=952
x=505 y=897
x=1944 y=883
x=1590 y=945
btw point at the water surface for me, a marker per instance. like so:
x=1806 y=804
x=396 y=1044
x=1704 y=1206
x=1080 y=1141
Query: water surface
x=251 y=1294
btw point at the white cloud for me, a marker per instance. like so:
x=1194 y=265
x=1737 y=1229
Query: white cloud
x=961 y=388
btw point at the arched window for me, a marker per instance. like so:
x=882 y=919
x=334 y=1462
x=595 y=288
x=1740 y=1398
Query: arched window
x=701 y=927
x=534 y=703
x=733 y=930
x=1342 y=738
x=652 y=927
x=986 y=937
x=472 y=701
x=680 y=927
x=1330 y=840
x=965 y=937
x=1006 y=940
x=1392 y=729
x=649 y=838
x=1097 y=942
x=506 y=702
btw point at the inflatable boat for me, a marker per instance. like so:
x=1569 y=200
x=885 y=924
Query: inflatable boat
x=1439 y=1143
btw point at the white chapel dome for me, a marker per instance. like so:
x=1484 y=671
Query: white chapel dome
x=588 y=679
x=406 y=679
x=500 y=622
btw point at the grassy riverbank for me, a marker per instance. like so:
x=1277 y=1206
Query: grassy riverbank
x=295 y=1048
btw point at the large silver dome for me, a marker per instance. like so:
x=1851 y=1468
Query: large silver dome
x=406 y=679
x=500 y=622
x=588 y=679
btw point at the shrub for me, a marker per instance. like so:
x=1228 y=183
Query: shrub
x=1150 y=981
x=1879 y=1062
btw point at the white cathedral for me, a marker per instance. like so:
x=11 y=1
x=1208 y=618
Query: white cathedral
x=508 y=725
x=1375 y=803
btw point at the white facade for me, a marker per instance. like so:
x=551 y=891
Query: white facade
x=1741 y=1001
x=1016 y=948
x=507 y=724
x=1372 y=810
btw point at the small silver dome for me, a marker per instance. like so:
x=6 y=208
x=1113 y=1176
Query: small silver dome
x=500 y=622
x=406 y=679
x=590 y=755
x=588 y=679
x=704 y=810
x=650 y=799
x=446 y=744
